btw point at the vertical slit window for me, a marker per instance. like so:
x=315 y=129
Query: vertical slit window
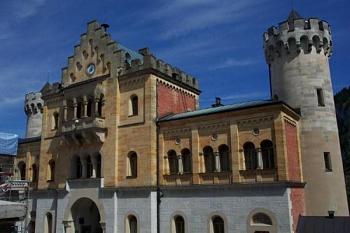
x=327 y=161
x=320 y=97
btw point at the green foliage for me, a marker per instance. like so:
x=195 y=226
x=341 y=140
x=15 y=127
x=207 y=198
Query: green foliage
x=342 y=105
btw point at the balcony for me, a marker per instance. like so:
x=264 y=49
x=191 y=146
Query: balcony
x=86 y=130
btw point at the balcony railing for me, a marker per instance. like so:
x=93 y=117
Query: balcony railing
x=84 y=130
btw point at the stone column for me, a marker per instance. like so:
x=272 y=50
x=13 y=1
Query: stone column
x=75 y=108
x=181 y=166
x=83 y=167
x=94 y=166
x=96 y=106
x=217 y=162
x=260 y=161
x=85 y=102
x=65 y=110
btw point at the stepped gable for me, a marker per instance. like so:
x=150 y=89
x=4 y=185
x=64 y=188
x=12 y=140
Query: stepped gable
x=111 y=58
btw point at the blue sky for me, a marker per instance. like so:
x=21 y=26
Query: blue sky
x=217 y=41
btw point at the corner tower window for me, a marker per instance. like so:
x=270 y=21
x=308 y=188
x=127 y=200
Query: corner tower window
x=327 y=161
x=320 y=97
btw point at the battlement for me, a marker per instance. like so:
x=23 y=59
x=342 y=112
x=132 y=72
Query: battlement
x=151 y=62
x=296 y=34
x=33 y=103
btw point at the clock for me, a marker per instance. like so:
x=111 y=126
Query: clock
x=90 y=70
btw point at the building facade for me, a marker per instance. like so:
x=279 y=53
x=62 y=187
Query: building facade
x=124 y=147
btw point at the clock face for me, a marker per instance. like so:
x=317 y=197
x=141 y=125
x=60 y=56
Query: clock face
x=90 y=69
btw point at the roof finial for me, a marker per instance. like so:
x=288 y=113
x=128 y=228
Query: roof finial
x=292 y=4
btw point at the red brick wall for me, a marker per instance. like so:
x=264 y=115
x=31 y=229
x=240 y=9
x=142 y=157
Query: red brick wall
x=292 y=152
x=297 y=198
x=172 y=100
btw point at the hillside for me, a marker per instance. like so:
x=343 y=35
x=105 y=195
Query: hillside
x=342 y=105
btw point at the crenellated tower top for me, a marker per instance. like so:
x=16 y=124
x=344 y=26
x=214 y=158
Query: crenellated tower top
x=33 y=107
x=296 y=34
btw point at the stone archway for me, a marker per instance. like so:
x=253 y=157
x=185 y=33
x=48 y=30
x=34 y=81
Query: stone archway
x=84 y=217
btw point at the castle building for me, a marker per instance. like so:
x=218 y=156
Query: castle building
x=122 y=145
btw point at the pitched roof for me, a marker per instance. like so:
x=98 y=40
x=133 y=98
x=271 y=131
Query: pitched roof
x=219 y=109
x=321 y=224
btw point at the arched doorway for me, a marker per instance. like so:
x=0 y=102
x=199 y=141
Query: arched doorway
x=86 y=216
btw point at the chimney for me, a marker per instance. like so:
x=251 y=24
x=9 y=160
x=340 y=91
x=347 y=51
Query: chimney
x=331 y=213
x=217 y=102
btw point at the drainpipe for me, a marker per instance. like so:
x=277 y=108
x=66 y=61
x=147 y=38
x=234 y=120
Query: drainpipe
x=159 y=191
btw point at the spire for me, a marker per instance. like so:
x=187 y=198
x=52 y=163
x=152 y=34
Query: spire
x=293 y=15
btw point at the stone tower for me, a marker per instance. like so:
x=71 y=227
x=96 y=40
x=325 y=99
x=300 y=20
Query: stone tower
x=33 y=107
x=297 y=52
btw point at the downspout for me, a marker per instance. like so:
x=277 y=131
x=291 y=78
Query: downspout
x=157 y=161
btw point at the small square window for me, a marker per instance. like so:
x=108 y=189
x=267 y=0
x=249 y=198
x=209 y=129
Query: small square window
x=327 y=161
x=320 y=97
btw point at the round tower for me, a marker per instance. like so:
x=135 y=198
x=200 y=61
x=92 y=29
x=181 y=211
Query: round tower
x=33 y=107
x=297 y=52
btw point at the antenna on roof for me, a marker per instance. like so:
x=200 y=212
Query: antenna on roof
x=48 y=76
x=292 y=4
x=105 y=26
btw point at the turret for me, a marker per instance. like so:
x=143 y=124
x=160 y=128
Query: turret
x=297 y=52
x=33 y=107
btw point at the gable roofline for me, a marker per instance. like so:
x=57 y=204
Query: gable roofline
x=227 y=108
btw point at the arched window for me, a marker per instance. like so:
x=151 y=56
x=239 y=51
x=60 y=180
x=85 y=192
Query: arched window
x=79 y=110
x=209 y=159
x=134 y=105
x=250 y=156
x=98 y=165
x=261 y=223
x=51 y=170
x=261 y=219
x=22 y=170
x=131 y=224
x=89 y=107
x=173 y=162
x=48 y=223
x=224 y=158
x=34 y=173
x=54 y=121
x=132 y=165
x=89 y=167
x=218 y=225
x=179 y=224
x=267 y=153
x=186 y=160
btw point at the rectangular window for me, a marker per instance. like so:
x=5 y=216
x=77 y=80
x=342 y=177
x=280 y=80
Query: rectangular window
x=320 y=97
x=327 y=161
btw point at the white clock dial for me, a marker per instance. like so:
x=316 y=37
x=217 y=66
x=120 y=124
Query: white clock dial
x=90 y=69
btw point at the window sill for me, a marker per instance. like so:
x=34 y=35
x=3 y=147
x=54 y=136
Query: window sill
x=131 y=177
x=133 y=115
x=258 y=170
x=179 y=174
